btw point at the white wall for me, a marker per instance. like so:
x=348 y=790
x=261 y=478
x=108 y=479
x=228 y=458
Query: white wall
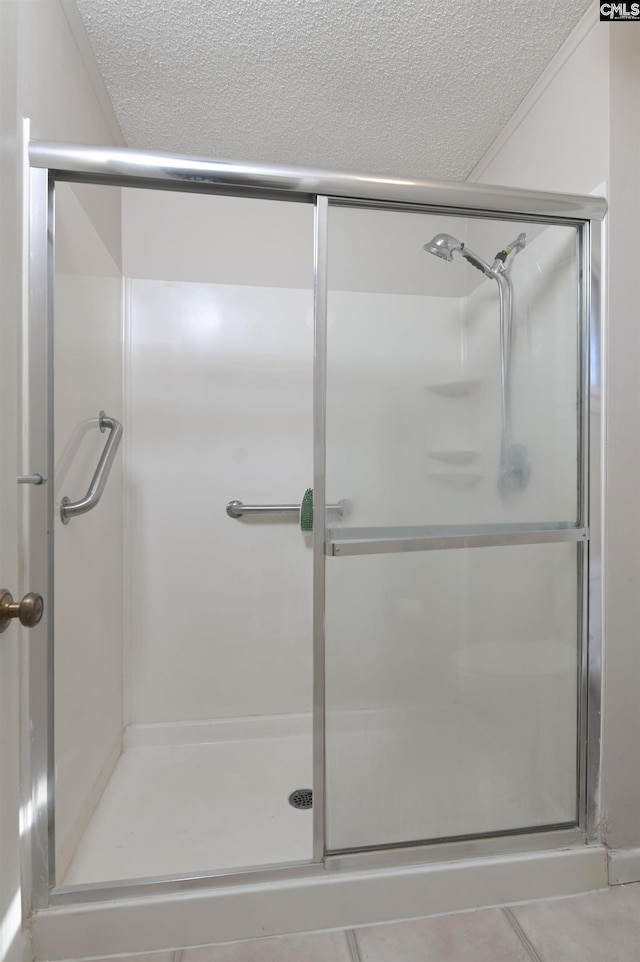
x=621 y=756
x=579 y=128
x=88 y=579
x=47 y=78
x=558 y=139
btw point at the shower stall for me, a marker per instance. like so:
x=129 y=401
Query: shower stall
x=310 y=515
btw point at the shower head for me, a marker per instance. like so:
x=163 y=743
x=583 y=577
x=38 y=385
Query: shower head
x=443 y=245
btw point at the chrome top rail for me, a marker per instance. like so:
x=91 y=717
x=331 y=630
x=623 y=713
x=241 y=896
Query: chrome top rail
x=69 y=509
x=150 y=168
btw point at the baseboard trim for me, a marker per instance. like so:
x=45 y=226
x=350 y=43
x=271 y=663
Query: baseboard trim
x=624 y=866
x=324 y=901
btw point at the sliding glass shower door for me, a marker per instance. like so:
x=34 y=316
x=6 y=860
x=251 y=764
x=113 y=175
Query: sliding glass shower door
x=453 y=626
x=181 y=612
x=420 y=474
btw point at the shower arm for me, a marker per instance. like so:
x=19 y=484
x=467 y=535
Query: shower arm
x=500 y=260
x=504 y=290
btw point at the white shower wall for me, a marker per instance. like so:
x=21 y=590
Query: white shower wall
x=88 y=550
x=384 y=351
x=219 y=406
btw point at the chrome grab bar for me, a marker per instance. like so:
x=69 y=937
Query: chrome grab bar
x=69 y=509
x=236 y=509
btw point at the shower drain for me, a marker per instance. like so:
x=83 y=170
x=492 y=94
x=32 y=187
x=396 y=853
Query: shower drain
x=301 y=798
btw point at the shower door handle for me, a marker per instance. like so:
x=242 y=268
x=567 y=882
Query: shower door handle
x=236 y=509
x=69 y=509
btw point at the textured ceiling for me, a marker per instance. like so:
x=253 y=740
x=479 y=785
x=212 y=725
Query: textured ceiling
x=407 y=87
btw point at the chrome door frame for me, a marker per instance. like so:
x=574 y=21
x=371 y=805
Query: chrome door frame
x=37 y=823
x=124 y=167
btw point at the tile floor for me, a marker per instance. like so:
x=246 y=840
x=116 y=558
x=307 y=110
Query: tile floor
x=597 y=927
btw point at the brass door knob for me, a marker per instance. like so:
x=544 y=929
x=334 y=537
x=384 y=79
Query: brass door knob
x=29 y=610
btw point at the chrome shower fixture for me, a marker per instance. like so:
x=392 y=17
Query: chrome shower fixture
x=444 y=245
x=515 y=469
x=511 y=248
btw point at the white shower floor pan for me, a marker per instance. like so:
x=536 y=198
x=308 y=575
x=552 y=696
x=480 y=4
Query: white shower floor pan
x=210 y=796
x=179 y=802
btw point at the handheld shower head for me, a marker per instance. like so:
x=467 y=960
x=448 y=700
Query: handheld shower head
x=515 y=469
x=443 y=245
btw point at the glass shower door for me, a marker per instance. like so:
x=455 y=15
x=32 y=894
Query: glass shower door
x=454 y=582
x=181 y=622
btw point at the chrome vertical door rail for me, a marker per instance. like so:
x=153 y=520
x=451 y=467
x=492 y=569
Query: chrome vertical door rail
x=594 y=499
x=319 y=521
x=37 y=808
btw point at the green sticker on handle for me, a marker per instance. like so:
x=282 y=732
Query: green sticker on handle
x=306 y=511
